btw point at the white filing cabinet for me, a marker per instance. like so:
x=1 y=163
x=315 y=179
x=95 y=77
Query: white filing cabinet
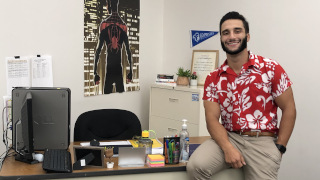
x=169 y=105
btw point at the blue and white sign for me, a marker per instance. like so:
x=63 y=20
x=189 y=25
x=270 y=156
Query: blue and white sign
x=198 y=37
x=195 y=97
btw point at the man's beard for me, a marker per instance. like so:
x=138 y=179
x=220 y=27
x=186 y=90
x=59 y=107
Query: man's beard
x=241 y=48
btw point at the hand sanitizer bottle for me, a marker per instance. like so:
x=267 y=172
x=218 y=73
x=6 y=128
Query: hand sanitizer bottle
x=184 y=143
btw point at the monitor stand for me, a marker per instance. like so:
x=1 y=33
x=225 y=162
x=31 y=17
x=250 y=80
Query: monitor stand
x=22 y=158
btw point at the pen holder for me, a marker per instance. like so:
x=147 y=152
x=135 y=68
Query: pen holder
x=171 y=150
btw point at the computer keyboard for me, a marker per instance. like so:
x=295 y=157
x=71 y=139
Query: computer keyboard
x=57 y=160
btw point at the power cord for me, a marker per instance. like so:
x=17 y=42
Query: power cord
x=5 y=138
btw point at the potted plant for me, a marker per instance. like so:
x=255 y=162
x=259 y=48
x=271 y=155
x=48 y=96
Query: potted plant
x=183 y=76
x=108 y=153
x=194 y=81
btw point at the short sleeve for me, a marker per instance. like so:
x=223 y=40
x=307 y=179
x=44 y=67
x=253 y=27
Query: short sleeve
x=210 y=89
x=281 y=81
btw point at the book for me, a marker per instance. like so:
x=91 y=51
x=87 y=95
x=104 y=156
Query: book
x=173 y=84
x=165 y=80
x=165 y=76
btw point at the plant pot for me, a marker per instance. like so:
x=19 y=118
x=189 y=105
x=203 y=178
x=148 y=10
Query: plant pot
x=183 y=81
x=110 y=164
x=193 y=82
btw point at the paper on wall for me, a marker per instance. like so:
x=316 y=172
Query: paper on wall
x=41 y=73
x=18 y=72
x=28 y=72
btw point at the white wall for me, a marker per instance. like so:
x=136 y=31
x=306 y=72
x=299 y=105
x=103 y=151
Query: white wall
x=286 y=31
x=55 y=27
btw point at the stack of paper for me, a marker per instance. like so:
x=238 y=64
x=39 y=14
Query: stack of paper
x=155 y=160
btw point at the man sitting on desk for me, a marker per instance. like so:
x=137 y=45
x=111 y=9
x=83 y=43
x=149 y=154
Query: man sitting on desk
x=246 y=91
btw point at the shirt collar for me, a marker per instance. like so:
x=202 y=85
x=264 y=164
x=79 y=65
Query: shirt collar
x=253 y=61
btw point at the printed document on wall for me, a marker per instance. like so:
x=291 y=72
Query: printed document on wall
x=29 y=72
x=41 y=73
x=18 y=72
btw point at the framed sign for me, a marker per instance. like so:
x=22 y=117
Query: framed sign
x=204 y=62
x=88 y=156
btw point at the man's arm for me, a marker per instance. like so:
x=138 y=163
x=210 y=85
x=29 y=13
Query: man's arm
x=219 y=134
x=286 y=103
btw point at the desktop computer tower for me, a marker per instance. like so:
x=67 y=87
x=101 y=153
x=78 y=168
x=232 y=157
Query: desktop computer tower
x=50 y=116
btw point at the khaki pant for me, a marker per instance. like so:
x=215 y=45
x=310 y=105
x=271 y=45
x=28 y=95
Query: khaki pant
x=260 y=154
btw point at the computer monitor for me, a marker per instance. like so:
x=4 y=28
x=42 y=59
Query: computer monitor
x=50 y=116
x=24 y=132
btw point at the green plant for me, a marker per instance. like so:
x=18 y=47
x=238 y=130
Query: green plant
x=184 y=73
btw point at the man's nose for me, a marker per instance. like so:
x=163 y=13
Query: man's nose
x=232 y=35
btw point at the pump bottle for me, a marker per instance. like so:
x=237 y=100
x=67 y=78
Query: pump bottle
x=184 y=143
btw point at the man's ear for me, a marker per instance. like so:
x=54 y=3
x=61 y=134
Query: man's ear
x=248 y=37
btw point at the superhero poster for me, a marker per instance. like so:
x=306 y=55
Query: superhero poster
x=111 y=46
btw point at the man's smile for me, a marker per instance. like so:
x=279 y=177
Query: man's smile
x=233 y=43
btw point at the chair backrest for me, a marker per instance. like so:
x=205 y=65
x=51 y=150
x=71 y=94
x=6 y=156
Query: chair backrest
x=106 y=124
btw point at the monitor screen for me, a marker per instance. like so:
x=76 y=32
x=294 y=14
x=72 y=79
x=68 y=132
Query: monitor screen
x=24 y=132
x=50 y=116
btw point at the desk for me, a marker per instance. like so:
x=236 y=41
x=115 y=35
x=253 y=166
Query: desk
x=18 y=170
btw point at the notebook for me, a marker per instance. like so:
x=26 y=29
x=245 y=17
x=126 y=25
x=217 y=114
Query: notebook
x=131 y=157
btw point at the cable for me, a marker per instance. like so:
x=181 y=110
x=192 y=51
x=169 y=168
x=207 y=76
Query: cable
x=5 y=154
x=5 y=131
x=3 y=118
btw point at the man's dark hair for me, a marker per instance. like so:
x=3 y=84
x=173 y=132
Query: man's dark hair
x=235 y=15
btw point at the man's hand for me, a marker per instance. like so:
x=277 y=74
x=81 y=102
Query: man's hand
x=234 y=158
x=96 y=79
x=286 y=103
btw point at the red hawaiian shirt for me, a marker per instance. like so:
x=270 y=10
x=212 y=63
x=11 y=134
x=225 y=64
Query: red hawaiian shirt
x=247 y=100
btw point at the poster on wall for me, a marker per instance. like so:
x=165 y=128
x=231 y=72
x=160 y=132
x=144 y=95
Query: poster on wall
x=111 y=46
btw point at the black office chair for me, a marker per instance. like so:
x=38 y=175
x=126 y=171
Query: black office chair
x=106 y=124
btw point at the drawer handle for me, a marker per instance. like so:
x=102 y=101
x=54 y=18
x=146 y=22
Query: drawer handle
x=173 y=99
x=172 y=129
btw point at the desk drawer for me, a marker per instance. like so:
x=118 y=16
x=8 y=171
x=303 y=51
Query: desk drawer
x=167 y=127
x=175 y=104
